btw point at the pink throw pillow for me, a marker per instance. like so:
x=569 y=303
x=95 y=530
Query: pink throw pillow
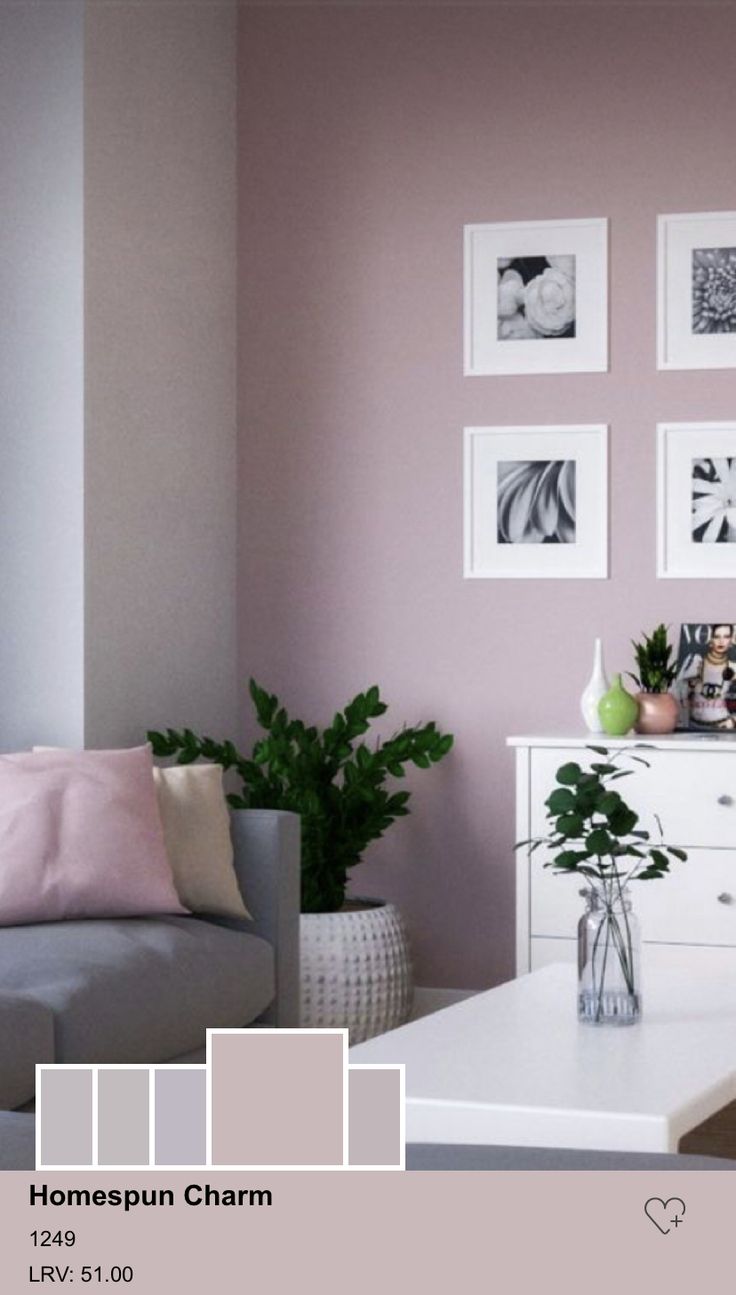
x=81 y=836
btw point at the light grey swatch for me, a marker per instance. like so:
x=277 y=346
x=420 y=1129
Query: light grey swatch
x=122 y=1117
x=66 y=1117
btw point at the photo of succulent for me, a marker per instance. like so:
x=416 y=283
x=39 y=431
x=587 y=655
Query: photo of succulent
x=714 y=290
x=714 y=501
x=536 y=297
x=535 y=502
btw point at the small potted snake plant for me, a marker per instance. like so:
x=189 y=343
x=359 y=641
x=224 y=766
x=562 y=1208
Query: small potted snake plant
x=354 y=954
x=658 y=708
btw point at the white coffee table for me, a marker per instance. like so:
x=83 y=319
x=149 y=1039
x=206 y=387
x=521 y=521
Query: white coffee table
x=514 y=1067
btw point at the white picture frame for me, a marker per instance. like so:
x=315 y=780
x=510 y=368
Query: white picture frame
x=494 y=313
x=684 y=483
x=683 y=299
x=518 y=484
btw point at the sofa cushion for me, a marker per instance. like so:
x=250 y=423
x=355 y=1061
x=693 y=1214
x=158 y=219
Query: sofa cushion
x=26 y=1036
x=81 y=837
x=137 y=989
x=196 y=823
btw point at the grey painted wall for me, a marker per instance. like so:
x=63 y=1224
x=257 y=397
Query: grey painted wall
x=160 y=284
x=41 y=374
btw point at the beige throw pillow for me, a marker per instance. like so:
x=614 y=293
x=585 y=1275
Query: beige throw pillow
x=196 y=824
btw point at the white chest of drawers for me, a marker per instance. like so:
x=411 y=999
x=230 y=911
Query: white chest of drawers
x=689 y=917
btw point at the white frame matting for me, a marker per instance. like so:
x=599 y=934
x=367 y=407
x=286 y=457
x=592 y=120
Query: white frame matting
x=678 y=236
x=587 y=352
x=678 y=555
x=484 y=449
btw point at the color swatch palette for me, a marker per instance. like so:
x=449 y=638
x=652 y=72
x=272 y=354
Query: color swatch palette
x=271 y=1099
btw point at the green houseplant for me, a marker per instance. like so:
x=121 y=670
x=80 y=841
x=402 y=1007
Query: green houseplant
x=658 y=709
x=337 y=783
x=596 y=835
x=334 y=780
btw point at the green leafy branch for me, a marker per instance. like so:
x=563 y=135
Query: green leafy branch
x=595 y=833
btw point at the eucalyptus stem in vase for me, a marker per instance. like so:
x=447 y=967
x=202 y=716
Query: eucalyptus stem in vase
x=595 y=834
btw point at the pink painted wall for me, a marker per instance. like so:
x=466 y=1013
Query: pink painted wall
x=368 y=137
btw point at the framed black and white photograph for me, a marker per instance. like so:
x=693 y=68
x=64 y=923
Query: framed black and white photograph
x=696 y=309
x=705 y=686
x=536 y=297
x=696 y=506
x=536 y=502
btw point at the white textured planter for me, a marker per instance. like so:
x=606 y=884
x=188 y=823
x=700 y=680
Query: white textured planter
x=355 y=969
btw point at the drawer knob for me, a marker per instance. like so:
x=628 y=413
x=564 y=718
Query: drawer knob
x=725 y=898
x=725 y=800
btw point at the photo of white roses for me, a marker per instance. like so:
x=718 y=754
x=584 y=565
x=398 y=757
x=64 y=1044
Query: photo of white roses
x=536 y=297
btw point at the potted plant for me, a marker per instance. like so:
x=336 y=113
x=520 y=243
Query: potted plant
x=595 y=835
x=355 y=964
x=658 y=709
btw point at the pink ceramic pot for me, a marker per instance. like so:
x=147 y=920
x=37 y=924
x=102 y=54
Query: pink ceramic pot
x=658 y=712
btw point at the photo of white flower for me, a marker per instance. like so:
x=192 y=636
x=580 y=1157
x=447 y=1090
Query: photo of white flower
x=536 y=297
x=714 y=290
x=696 y=290
x=714 y=501
x=696 y=501
x=535 y=502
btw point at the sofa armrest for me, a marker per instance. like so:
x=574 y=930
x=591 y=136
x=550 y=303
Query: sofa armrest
x=267 y=850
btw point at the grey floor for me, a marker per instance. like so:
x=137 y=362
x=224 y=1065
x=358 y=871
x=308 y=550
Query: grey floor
x=429 y=1157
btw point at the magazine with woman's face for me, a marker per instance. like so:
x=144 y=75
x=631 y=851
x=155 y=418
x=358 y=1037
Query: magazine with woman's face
x=705 y=686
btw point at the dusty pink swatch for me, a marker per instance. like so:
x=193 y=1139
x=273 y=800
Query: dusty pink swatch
x=81 y=836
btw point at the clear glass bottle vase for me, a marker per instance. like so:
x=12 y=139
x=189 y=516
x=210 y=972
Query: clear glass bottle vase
x=609 y=987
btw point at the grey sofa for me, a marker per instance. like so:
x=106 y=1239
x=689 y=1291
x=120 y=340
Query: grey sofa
x=145 y=989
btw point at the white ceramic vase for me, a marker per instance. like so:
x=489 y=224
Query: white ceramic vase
x=596 y=688
x=355 y=969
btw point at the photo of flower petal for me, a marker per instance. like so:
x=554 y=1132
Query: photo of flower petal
x=515 y=326
x=550 y=303
x=714 y=501
x=510 y=294
x=714 y=290
x=536 y=502
x=535 y=297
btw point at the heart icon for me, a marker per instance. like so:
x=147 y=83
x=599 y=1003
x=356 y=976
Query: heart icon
x=657 y=1200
